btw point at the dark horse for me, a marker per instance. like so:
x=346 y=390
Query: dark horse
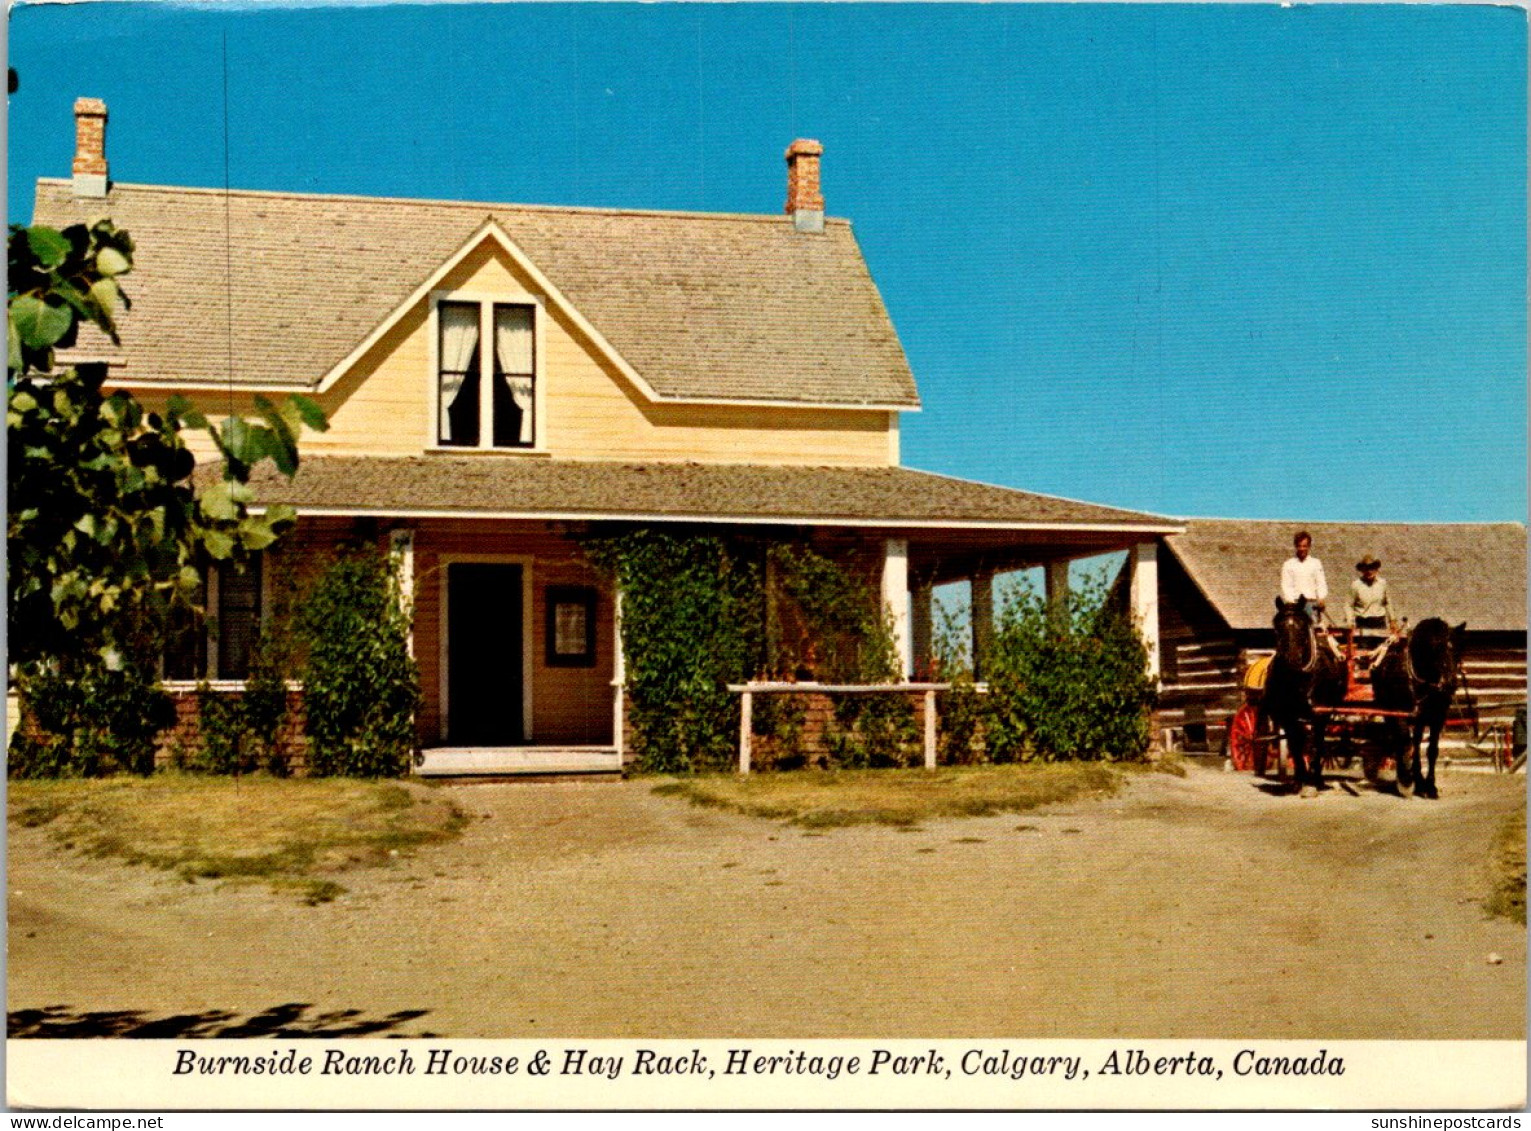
x=1303 y=674
x=1420 y=677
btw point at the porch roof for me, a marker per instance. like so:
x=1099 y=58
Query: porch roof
x=493 y=486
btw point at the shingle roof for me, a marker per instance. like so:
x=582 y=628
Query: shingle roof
x=508 y=486
x=1473 y=572
x=703 y=306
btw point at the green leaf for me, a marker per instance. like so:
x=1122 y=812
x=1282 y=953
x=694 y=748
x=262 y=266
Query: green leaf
x=63 y=404
x=217 y=502
x=13 y=359
x=105 y=293
x=242 y=443
x=218 y=544
x=282 y=445
x=79 y=300
x=39 y=324
x=281 y=514
x=110 y=261
x=179 y=406
x=256 y=535
x=48 y=246
x=309 y=410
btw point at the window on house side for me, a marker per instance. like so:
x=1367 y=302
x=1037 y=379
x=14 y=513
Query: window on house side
x=238 y=617
x=486 y=347
x=459 y=377
x=229 y=633
x=186 y=644
x=514 y=372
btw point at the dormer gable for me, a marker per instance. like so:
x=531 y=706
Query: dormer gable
x=461 y=334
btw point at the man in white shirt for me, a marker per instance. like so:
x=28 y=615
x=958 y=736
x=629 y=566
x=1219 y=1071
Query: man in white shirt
x=1302 y=575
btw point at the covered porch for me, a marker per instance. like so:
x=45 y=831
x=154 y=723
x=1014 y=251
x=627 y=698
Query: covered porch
x=516 y=633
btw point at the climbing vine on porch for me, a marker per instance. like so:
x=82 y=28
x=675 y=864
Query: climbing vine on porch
x=849 y=637
x=691 y=624
x=701 y=611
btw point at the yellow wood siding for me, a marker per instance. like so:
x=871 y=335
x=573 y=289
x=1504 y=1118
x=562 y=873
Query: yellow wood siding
x=382 y=406
x=570 y=706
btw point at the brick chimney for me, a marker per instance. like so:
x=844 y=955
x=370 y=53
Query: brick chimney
x=805 y=204
x=89 y=147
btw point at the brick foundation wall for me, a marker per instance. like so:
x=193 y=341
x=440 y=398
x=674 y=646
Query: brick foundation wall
x=812 y=746
x=181 y=743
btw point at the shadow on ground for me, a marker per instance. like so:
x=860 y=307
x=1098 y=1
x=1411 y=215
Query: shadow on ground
x=290 y=1020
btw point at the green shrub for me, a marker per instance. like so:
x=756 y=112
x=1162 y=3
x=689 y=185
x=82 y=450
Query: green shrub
x=1067 y=684
x=220 y=725
x=781 y=719
x=263 y=706
x=90 y=722
x=360 y=685
x=961 y=710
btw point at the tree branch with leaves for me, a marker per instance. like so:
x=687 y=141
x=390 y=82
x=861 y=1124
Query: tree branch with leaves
x=106 y=532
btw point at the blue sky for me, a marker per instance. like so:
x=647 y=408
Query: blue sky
x=1234 y=260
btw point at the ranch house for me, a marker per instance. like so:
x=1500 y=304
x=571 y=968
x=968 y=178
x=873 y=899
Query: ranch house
x=1218 y=579
x=501 y=379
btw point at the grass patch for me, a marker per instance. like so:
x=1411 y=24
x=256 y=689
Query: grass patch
x=817 y=799
x=1509 y=864
x=1171 y=762
x=292 y=834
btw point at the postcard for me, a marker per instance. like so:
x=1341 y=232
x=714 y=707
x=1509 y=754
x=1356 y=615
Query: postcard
x=773 y=556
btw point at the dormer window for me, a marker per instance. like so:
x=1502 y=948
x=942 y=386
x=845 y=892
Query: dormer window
x=496 y=384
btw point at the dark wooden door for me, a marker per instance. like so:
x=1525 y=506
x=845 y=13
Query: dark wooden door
x=484 y=648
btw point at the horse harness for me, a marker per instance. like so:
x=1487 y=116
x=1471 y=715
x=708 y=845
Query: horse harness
x=1420 y=684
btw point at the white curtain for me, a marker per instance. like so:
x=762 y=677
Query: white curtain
x=513 y=350
x=459 y=338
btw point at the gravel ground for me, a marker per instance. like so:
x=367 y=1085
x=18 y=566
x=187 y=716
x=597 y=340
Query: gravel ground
x=1205 y=906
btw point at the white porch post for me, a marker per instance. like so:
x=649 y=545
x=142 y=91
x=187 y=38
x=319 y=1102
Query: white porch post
x=618 y=675
x=895 y=597
x=746 y=729
x=930 y=730
x=401 y=548
x=1145 y=600
x=920 y=627
x=1056 y=585
x=983 y=619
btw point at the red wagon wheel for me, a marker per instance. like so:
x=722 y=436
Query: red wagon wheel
x=1242 y=746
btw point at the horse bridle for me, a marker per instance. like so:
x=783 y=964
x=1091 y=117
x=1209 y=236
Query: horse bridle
x=1452 y=674
x=1312 y=663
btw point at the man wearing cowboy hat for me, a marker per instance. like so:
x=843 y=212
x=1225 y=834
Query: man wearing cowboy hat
x=1371 y=610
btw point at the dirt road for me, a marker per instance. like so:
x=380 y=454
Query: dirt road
x=1201 y=906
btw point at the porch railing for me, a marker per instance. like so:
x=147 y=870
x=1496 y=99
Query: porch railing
x=748 y=691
